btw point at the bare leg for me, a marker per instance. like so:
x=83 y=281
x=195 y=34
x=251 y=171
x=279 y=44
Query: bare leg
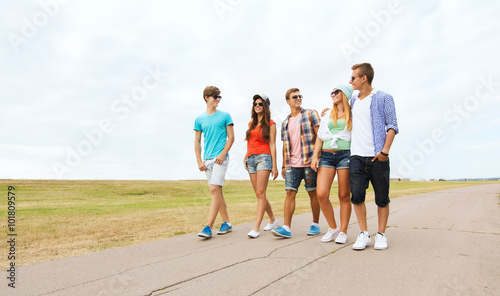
x=289 y=207
x=316 y=209
x=344 y=199
x=223 y=208
x=360 y=210
x=259 y=182
x=383 y=217
x=269 y=211
x=217 y=204
x=325 y=180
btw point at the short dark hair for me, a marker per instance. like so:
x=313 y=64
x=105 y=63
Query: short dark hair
x=291 y=90
x=365 y=69
x=211 y=91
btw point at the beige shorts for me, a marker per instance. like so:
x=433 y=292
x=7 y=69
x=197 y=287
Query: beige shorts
x=216 y=173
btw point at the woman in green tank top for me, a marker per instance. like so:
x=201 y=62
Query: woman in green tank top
x=331 y=157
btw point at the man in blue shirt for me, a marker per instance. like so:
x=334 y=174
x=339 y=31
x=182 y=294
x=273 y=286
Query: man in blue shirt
x=218 y=137
x=374 y=126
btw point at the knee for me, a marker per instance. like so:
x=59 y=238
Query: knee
x=290 y=195
x=383 y=203
x=260 y=194
x=344 y=197
x=358 y=197
x=215 y=190
x=323 y=196
x=357 y=200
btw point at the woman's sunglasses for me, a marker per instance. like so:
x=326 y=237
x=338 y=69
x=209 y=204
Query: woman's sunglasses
x=335 y=92
x=258 y=104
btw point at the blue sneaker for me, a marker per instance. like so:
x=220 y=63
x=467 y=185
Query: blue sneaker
x=206 y=232
x=313 y=230
x=224 y=228
x=281 y=232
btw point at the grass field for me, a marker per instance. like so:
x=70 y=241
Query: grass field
x=57 y=219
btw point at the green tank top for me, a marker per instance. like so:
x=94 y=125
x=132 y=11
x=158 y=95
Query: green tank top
x=335 y=129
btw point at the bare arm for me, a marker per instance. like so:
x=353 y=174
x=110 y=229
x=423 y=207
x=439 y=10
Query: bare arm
x=283 y=167
x=317 y=154
x=389 y=138
x=272 y=145
x=229 y=142
x=323 y=112
x=197 y=151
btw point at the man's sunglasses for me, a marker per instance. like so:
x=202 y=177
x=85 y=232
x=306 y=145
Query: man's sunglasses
x=297 y=97
x=217 y=97
x=354 y=77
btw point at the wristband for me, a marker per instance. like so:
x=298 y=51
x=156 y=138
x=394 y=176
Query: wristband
x=384 y=154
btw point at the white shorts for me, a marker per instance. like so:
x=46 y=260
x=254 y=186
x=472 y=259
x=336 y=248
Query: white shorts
x=216 y=173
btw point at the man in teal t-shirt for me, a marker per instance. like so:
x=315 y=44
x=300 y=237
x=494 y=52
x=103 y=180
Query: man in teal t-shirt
x=218 y=137
x=214 y=129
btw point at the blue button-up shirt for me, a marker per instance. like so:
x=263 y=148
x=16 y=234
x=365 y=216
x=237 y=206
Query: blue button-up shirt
x=383 y=117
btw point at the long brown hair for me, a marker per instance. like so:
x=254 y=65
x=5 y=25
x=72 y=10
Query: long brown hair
x=264 y=124
x=347 y=112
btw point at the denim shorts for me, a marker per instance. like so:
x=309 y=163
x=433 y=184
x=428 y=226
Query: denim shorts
x=336 y=160
x=293 y=177
x=259 y=162
x=216 y=173
x=361 y=171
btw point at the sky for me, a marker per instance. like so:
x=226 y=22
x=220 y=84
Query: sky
x=111 y=89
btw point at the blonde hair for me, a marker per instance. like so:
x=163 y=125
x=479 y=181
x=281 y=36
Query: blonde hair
x=347 y=112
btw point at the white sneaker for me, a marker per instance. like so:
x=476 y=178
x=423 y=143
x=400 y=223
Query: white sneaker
x=253 y=234
x=341 y=238
x=380 y=242
x=328 y=237
x=270 y=226
x=362 y=241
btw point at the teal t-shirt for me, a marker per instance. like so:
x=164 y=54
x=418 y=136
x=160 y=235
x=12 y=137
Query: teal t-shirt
x=335 y=129
x=214 y=132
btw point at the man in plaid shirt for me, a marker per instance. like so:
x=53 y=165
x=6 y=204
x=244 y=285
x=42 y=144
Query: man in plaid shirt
x=298 y=133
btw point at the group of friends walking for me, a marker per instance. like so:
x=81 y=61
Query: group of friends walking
x=351 y=140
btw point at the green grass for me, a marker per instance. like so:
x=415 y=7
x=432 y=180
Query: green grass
x=57 y=219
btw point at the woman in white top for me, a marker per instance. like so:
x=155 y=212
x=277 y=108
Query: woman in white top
x=331 y=157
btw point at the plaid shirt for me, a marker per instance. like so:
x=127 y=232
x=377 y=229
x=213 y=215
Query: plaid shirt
x=310 y=119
